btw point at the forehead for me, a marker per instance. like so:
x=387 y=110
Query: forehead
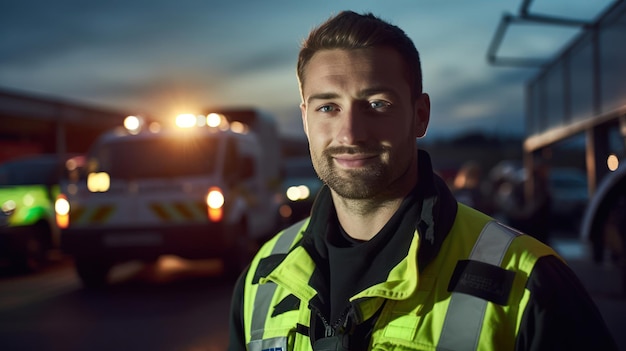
x=380 y=66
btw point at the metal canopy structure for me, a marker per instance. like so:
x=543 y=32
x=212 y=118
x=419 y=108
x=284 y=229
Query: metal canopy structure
x=525 y=17
x=579 y=91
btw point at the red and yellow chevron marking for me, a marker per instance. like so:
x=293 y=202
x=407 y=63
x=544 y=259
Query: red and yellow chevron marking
x=96 y=215
x=179 y=211
x=159 y=211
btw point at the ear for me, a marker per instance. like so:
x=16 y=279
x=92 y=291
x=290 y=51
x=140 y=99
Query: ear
x=304 y=124
x=421 y=109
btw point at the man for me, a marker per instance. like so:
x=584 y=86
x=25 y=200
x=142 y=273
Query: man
x=388 y=259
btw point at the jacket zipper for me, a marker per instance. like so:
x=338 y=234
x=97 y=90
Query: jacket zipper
x=328 y=329
x=331 y=329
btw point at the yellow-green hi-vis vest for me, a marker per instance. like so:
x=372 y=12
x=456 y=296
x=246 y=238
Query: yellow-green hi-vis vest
x=436 y=309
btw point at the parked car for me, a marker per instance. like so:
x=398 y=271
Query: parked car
x=567 y=187
x=300 y=186
x=570 y=193
x=28 y=187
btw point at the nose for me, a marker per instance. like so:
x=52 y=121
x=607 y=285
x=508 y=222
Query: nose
x=352 y=128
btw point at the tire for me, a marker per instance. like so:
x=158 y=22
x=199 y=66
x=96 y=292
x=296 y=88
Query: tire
x=237 y=258
x=623 y=265
x=36 y=254
x=622 y=255
x=33 y=252
x=93 y=274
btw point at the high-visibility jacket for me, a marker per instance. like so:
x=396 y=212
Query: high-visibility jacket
x=470 y=297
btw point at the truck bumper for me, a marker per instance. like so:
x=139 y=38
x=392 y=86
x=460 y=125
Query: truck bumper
x=117 y=244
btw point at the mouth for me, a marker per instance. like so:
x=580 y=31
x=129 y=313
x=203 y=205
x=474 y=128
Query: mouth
x=354 y=160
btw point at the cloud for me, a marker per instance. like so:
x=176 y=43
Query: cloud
x=159 y=56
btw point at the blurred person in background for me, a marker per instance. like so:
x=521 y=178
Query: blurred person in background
x=388 y=259
x=469 y=188
x=530 y=213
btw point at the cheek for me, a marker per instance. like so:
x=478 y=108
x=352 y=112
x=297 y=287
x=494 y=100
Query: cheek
x=319 y=132
x=317 y=145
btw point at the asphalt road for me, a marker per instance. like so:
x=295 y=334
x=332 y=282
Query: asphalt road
x=603 y=281
x=170 y=305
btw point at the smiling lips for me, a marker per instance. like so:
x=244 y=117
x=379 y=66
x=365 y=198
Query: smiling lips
x=354 y=160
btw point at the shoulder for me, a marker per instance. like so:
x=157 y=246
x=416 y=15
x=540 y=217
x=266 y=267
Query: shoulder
x=275 y=249
x=556 y=294
x=285 y=239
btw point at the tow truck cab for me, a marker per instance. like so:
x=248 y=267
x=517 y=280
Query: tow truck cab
x=28 y=187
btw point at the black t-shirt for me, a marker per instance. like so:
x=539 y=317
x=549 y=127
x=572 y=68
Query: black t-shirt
x=356 y=265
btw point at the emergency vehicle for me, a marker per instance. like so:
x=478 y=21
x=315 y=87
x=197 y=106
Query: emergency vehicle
x=197 y=192
x=28 y=187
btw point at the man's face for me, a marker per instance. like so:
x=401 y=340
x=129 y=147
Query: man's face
x=360 y=120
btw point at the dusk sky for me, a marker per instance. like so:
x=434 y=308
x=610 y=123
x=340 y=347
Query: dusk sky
x=164 y=57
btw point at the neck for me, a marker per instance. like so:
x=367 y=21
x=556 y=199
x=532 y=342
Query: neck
x=362 y=219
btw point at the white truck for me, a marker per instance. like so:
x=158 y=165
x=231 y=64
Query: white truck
x=199 y=192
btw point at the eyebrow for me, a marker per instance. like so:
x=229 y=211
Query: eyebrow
x=376 y=91
x=322 y=96
x=362 y=94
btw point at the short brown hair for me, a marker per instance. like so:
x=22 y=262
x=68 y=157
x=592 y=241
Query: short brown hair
x=349 y=30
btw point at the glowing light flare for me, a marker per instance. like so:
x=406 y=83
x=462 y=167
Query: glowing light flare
x=154 y=127
x=186 y=120
x=98 y=182
x=215 y=198
x=28 y=200
x=62 y=211
x=239 y=127
x=133 y=124
x=215 y=204
x=285 y=211
x=71 y=164
x=200 y=120
x=214 y=120
x=61 y=205
x=612 y=162
x=296 y=193
x=9 y=206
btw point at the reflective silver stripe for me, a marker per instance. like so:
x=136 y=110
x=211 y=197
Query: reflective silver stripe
x=265 y=292
x=464 y=318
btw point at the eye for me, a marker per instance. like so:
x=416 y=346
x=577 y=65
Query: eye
x=379 y=104
x=325 y=108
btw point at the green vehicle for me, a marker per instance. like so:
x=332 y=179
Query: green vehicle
x=28 y=189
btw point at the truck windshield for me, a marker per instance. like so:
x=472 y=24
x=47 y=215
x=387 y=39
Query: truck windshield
x=157 y=158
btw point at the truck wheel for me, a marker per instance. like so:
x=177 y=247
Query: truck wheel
x=93 y=275
x=35 y=257
x=622 y=235
x=239 y=256
x=623 y=266
x=32 y=255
